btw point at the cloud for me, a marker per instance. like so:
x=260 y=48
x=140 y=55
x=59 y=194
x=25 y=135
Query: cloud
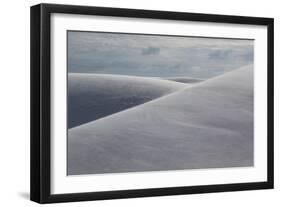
x=249 y=56
x=220 y=54
x=150 y=51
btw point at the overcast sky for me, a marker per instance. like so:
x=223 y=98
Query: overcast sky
x=159 y=56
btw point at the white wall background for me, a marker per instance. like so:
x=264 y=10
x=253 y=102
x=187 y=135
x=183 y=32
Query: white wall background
x=14 y=109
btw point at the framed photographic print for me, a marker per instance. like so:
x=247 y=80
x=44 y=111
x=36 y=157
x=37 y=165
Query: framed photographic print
x=133 y=103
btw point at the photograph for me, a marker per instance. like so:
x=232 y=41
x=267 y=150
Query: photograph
x=156 y=102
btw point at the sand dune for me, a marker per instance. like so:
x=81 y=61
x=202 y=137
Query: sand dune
x=184 y=79
x=92 y=96
x=208 y=125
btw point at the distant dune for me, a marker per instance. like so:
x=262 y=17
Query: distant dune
x=209 y=125
x=93 y=96
x=184 y=79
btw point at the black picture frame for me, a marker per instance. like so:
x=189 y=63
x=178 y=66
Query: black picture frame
x=40 y=184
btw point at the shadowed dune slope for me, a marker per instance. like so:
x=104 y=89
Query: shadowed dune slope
x=209 y=125
x=92 y=96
